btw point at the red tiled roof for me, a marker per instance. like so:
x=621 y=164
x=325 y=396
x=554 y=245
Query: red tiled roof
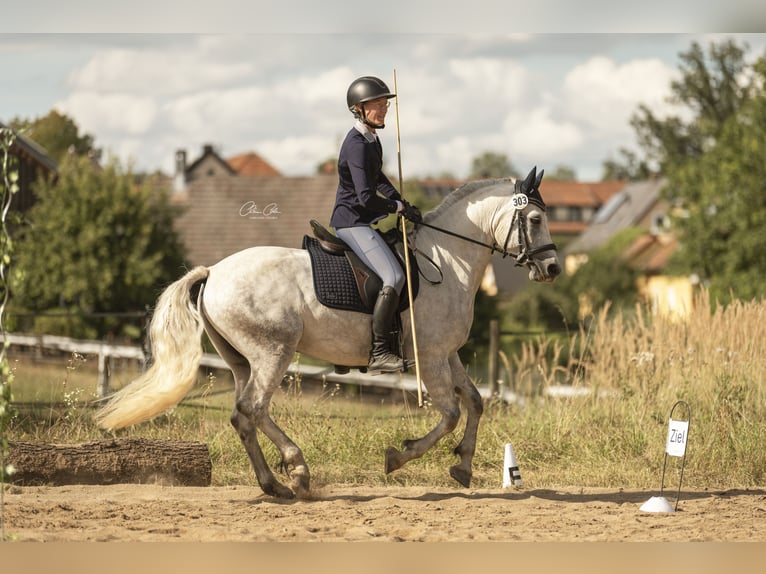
x=251 y=164
x=576 y=193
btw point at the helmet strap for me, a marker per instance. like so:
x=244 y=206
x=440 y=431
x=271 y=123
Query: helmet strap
x=368 y=122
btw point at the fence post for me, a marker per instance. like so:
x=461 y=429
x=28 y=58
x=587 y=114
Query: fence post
x=103 y=374
x=494 y=346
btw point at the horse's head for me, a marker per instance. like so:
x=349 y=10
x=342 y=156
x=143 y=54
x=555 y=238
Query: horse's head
x=527 y=239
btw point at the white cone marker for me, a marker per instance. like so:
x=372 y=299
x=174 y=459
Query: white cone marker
x=511 y=474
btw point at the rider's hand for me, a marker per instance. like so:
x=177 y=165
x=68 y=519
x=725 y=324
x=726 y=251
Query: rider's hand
x=412 y=213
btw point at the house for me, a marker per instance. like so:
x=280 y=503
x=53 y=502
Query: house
x=230 y=205
x=638 y=204
x=33 y=162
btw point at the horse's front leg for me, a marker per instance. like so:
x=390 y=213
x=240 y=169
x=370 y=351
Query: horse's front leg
x=471 y=399
x=444 y=399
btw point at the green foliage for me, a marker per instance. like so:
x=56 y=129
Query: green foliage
x=474 y=352
x=631 y=168
x=490 y=164
x=561 y=173
x=96 y=243
x=8 y=186
x=605 y=279
x=712 y=159
x=57 y=133
x=713 y=87
x=723 y=193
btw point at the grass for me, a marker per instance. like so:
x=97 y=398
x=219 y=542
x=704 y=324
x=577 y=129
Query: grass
x=636 y=366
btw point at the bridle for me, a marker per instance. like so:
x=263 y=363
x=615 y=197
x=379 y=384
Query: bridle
x=526 y=251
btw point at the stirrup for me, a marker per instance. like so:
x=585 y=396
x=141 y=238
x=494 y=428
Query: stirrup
x=400 y=366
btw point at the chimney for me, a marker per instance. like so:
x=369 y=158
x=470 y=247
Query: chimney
x=179 y=179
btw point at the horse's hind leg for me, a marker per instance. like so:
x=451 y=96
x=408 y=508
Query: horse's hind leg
x=247 y=433
x=445 y=400
x=249 y=437
x=471 y=399
x=266 y=372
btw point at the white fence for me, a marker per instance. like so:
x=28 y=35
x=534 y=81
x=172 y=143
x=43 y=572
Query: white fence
x=107 y=351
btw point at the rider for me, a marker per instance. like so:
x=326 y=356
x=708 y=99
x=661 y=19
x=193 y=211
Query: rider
x=365 y=195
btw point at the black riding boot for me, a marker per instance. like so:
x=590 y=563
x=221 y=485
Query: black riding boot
x=382 y=359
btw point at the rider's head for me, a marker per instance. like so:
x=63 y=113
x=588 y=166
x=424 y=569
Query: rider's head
x=367 y=98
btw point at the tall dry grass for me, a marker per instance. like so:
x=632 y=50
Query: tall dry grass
x=637 y=367
x=634 y=367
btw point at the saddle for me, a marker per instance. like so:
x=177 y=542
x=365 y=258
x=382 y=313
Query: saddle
x=342 y=280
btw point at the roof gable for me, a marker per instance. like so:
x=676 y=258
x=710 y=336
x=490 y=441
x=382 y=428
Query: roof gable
x=209 y=164
x=250 y=164
x=630 y=206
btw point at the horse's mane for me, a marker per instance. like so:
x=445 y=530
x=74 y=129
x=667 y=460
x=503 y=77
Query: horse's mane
x=462 y=191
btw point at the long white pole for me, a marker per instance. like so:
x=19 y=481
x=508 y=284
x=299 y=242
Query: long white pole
x=407 y=252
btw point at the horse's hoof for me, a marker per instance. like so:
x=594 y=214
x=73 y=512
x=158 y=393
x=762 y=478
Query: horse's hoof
x=393 y=460
x=462 y=476
x=300 y=485
x=278 y=490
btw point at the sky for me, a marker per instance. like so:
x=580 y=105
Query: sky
x=541 y=98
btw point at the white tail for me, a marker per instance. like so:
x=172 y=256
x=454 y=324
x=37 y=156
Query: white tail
x=175 y=335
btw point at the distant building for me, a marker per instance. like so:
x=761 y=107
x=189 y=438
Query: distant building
x=230 y=205
x=33 y=162
x=640 y=205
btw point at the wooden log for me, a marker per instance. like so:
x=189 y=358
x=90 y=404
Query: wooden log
x=111 y=461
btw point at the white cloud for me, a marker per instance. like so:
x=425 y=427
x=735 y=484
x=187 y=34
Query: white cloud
x=101 y=113
x=536 y=134
x=156 y=72
x=602 y=95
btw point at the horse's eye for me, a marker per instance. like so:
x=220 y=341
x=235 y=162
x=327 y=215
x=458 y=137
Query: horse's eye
x=535 y=219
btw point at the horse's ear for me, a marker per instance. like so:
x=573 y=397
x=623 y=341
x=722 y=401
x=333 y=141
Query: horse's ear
x=526 y=186
x=539 y=179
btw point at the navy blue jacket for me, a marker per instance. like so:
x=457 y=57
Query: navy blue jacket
x=360 y=181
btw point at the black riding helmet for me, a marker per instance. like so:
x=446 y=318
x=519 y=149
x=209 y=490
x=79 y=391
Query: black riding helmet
x=365 y=89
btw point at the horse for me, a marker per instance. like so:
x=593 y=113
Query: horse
x=258 y=308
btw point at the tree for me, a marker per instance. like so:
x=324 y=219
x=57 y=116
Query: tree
x=713 y=88
x=632 y=168
x=712 y=160
x=723 y=195
x=561 y=173
x=58 y=134
x=96 y=243
x=490 y=165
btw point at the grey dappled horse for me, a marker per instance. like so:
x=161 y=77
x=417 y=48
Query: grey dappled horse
x=259 y=308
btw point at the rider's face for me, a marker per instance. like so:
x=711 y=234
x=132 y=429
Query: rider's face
x=375 y=111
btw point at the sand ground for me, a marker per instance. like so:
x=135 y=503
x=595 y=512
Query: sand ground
x=130 y=512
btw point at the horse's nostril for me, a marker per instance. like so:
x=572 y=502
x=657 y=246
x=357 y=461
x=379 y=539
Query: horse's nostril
x=554 y=270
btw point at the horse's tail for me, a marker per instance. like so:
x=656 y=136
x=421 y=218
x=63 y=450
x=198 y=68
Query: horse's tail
x=175 y=335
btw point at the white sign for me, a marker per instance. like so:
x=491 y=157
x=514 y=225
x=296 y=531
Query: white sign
x=519 y=201
x=677 y=435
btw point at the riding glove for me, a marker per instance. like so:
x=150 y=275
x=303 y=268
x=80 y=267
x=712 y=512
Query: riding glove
x=412 y=213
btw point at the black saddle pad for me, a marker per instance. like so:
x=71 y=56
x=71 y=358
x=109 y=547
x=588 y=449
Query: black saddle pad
x=334 y=280
x=335 y=284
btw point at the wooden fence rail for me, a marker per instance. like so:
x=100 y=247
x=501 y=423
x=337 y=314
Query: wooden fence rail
x=106 y=352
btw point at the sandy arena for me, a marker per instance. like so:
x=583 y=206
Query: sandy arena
x=129 y=512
